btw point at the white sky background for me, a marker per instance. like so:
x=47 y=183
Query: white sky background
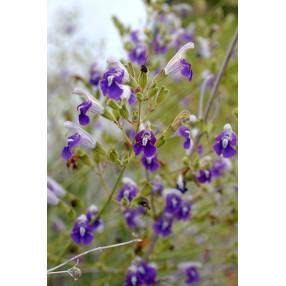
x=96 y=24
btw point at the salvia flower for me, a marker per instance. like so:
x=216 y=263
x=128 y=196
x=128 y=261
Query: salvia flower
x=133 y=277
x=79 y=138
x=94 y=75
x=112 y=82
x=132 y=217
x=150 y=163
x=96 y=224
x=55 y=190
x=184 y=213
x=225 y=142
x=178 y=63
x=181 y=184
x=89 y=105
x=204 y=176
x=173 y=200
x=159 y=46
x=192 y=275
x=163 y=225
x=220 y=166
x=190 y=271
x=129 y=190
x=147 y=271
x=145 y=141
x=82 y=231
x=138 y=54
x=185 y=133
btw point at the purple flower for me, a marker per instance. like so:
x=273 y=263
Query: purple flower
x=150 y=163
x=147 y=271
x=134 y=35
x=192 y=275
x=55 y=190
x=225 y=142
x=129 y=190
x=91 y=215
x=138 y=54
x=112 y=81
x=80 y=138
x=173 y=200
x=145 y=141
x=91 y=104
x=163 y=225
x=190 y=271
x=178 y=63
x=141 y=273
x=82 y=231
x=204 y=176
x=133 y=277
x=94 y=75
x=158 y=45
x=181 y=184
x=220 y=166
x=185 y=132
x=132 y=217
x=132 y=99
x=184 y=212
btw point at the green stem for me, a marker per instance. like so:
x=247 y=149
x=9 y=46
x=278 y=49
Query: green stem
x=112 y=192
x=220 y=74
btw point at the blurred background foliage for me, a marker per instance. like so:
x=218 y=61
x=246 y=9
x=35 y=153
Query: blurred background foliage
x=211 y=235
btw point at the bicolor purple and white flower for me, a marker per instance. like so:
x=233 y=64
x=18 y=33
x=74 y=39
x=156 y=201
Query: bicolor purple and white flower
x=185 y=133
x=129 y=190
x=225 y=142
x=163 y=225
x=55 y=191
x=141 y=273
x=150 y=163
x=145 y=142
x=132 y=217
x=190 y=272
x=184 y=213
x=173 y=200
x=221 y=166
x=82 y=231
x=79 y=138
x=89 y=105
x=204 y=176
x=138 y=54
x=179 y=64
x=96 y=224
x=112 y=82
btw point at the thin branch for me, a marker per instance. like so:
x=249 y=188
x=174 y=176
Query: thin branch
x=97 y=249
x=220 y=74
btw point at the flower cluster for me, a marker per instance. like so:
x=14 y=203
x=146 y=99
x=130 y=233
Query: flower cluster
x=141 y=273
x=125 y=195
x=190 y=272
x=145 y=142
x=85 y=225
x=176 y=208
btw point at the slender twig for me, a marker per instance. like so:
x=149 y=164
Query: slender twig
x=112 y=192
x=220 y=74
x=97 y=249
